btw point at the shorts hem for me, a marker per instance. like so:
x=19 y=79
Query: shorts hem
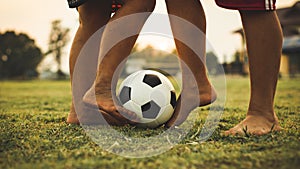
x=254 y=6
x=247 y=8
x=75 y=3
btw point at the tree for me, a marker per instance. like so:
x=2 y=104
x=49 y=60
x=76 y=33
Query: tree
x=58 y=39
x=19 y=56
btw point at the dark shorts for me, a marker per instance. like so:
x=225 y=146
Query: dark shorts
x=229 y=4
x=116 y=4
x=265 y=5
x=75 y=3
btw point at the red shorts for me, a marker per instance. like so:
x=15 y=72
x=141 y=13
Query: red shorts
x=247 y=4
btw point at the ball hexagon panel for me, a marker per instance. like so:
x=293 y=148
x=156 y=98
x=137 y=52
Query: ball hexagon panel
x=165 y=114
x=150 y=110
x=140 y=92
x=132 y=106
x=128 y=80
x=161 y=95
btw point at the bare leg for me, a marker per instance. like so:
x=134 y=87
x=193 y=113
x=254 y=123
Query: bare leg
x=113 y=54
x=191 y=11
x=93 y=15
x=264 y=43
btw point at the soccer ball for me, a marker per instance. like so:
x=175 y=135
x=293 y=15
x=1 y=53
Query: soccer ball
x=150 y=95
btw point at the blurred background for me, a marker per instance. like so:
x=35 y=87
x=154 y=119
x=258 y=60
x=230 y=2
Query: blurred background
x=36 y=36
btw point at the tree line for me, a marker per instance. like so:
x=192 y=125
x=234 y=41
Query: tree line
x=20 y=55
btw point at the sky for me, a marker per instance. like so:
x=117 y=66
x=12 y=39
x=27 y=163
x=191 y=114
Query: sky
x=34 y=18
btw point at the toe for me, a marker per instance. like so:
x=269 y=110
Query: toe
x=234 y=131
x=72 y=119
x=226 y=133
x=129 y=116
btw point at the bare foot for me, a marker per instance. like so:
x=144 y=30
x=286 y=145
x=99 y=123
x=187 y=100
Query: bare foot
x=255 y=125
x=72 y=116
x=206 y=96
x=100 y=98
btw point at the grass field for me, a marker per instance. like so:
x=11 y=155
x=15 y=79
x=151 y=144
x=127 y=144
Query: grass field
x=33 y=133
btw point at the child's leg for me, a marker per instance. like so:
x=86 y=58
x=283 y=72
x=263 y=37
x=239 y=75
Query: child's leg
x=93 y=15
x=191 y=11
x=264 y=43
x=113 y=54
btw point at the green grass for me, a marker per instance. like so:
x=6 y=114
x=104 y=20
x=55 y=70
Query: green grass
x=33 y=133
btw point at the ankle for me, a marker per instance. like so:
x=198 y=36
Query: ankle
x=269 y=115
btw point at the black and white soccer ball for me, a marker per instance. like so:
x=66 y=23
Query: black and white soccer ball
x=149 y=94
